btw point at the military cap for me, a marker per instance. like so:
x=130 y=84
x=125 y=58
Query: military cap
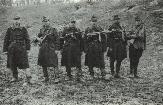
x=94 y=18
x=16 y=18
x=116 y=17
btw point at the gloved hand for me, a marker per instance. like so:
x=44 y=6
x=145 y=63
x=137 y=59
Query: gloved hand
x=57 y=52
x=5 y=52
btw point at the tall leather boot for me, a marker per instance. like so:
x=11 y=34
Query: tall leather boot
x=135 y=69
x=68 y=70
x=112 y=66
x=79 y=74
x=118 y=65
x=131 y=66
x=45 y=72
x=103 y=73
x=56 y=72
x=15 y=74
x=91 y=72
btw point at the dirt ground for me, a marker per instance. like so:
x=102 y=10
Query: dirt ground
x=146 y=90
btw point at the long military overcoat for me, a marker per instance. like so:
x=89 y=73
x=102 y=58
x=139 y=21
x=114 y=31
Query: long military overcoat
x=16 y=43
x=139 y=43
x=95 y=46
x=47 y=56
x=117 y=42
x=72 y=47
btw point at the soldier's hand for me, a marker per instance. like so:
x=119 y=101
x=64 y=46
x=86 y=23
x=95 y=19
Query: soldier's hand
x=38 y=39
x=82 y=53
x=57 y=52
x=113 y=30
x=133 y=36
x=110 y=49
x=5 y=52
x=28 y=52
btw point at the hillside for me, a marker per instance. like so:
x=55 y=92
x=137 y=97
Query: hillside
x=144 y=91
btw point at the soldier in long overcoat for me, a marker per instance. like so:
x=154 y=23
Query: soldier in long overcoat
x=17 y=46
x=117 y=46
x=47 y=56
x=137 y=45
x=72 y=48
x=95 y=46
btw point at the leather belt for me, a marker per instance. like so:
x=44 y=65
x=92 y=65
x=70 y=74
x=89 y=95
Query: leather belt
x=117 y=38
x=18 y=42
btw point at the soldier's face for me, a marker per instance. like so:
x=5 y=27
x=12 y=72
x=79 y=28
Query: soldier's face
x=93 y=23
x=16 y=23
x=117 y=21
x=72 y=25
x=138 y=22
x=46 y=23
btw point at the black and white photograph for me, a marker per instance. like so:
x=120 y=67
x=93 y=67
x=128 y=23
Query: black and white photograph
x=81 y=52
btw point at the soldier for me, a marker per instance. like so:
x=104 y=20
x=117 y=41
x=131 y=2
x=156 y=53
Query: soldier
x=137 y=45
x=117 y=46
x=95 y=46
x=72 y=48
x=48 y=48
x=17 y=46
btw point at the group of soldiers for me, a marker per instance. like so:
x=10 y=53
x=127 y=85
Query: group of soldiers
x=94 y=42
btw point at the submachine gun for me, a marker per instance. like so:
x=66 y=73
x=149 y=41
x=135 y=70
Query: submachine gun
x=98 y=36
x=69 y=38
x=38 y=41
